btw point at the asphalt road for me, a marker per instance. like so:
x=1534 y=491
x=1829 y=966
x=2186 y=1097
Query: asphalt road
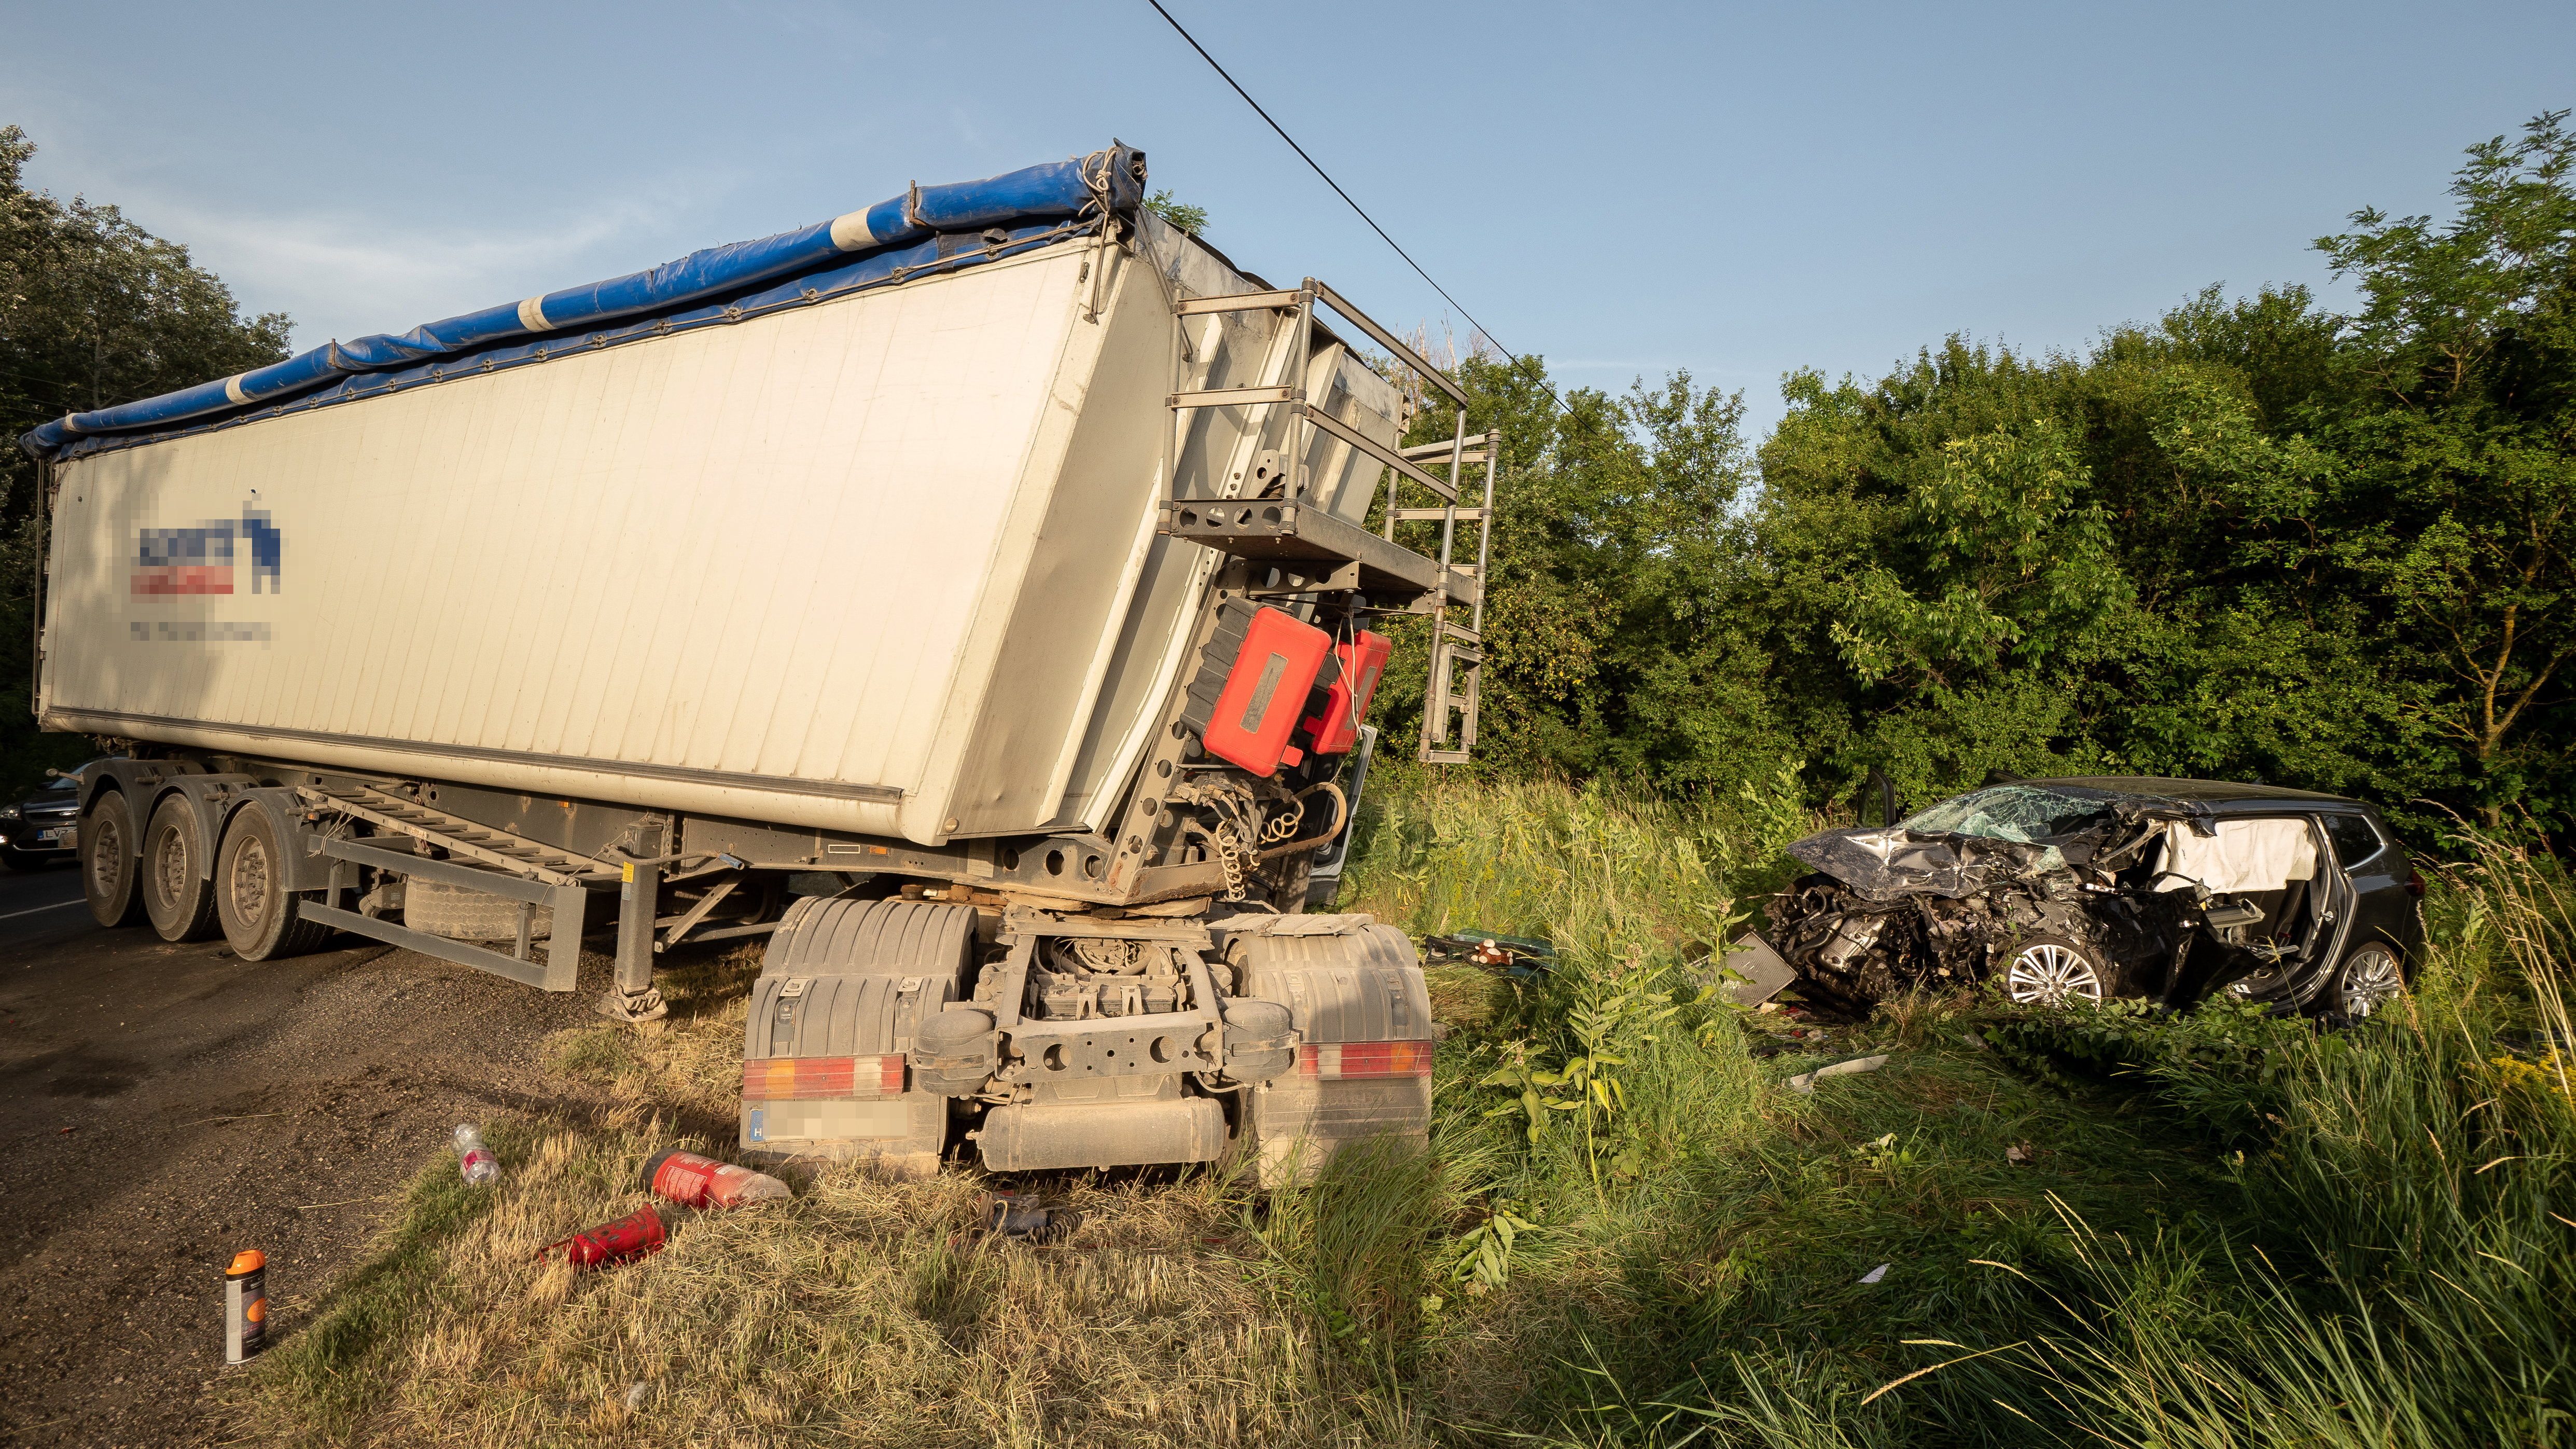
x=39 y=906
x=163 y=1106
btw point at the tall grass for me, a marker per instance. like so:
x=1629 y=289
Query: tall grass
x=2246 y=1231
x=2219 y=1229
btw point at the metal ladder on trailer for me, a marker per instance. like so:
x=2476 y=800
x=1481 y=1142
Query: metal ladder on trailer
x=1457 y=650
x=1338 y=554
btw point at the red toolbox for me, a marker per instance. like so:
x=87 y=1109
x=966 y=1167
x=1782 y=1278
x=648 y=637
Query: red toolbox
x=1337 y=729
x=1252 y=684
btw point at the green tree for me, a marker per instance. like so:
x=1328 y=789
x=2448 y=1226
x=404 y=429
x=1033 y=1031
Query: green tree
x=2464 y=358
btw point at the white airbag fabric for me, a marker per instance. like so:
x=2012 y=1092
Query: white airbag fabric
x=2245 y=855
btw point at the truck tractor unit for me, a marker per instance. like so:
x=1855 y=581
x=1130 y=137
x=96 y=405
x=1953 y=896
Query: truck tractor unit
x=982 y=596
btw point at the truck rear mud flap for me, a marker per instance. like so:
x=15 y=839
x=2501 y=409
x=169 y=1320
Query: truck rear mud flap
x=843 y=989
x=1354 y=991
x=1301 y=1119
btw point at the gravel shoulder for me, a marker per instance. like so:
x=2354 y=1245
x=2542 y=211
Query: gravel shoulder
x=162 y=1107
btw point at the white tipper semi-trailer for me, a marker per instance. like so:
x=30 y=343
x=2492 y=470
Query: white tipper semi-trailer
x=999 y=548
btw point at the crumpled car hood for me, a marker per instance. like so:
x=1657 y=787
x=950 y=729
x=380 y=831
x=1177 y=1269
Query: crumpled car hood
x=1883 y=864
x=1889 y=862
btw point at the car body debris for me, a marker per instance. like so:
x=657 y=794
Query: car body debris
x=1007 y=1215
x=1806 y=1081
x=1518 y=956
x=2088 y=888
x=1877 y=1273
x=1751 y=973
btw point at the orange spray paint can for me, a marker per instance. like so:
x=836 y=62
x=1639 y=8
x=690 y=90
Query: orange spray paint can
x=245 y=1305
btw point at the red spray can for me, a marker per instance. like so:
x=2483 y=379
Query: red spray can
x=632 y=1236
x=694 y=1181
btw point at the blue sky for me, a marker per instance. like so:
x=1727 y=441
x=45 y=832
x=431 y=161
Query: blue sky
x=1624 y=189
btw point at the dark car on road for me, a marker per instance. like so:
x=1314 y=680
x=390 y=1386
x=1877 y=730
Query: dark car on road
x=2095 y=887
x=41 y=830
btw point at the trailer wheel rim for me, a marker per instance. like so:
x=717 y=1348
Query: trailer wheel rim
x=106 y=853
x=2370 y=980
x=249 y=882
x=2048 y=974
x=170 y=866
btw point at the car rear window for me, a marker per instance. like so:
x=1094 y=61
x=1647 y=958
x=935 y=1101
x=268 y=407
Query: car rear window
x=2024 y=813
x=2355 y=838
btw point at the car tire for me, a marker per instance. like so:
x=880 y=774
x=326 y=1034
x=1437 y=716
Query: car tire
x=262 y=919
x=2371 y=974
x=2054 y=970
x=111 y=870
x=178 y=889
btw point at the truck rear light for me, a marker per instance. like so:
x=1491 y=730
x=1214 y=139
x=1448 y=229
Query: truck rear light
x=785 y=1078
x=1345 y=1061
x=1337 y=729
x=1252 y=684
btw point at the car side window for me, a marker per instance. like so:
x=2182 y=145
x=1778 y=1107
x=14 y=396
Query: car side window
x=2355 y=839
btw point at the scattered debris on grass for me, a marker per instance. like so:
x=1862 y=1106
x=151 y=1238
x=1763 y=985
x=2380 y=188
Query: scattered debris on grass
x=697 y=1181
x=636 y=1235
x=1520 y=957
x=1751 y=972
x=1806 y=1081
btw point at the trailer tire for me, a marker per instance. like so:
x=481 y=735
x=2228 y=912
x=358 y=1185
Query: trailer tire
x=262 y=919
x=435 y=908
x=111 y=872
x=178 y=889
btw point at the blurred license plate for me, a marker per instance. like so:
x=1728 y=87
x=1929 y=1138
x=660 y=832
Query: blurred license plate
x=64 y=835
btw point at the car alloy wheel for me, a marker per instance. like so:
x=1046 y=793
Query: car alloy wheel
x=2370 y=979
x=2051 y=972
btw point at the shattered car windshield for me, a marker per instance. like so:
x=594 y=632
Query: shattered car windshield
x=2023 y=813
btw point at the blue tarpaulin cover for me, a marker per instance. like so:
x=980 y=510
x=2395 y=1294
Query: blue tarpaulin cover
x=888 y=242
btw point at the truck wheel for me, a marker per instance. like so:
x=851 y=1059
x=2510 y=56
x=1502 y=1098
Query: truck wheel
x=109 y=873
x=436 y=908
x=178 y=894
x=261 y=917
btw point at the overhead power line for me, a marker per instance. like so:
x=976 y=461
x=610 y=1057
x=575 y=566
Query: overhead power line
x=1481 y=329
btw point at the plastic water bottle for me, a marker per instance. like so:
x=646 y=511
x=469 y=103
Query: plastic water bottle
x=479 y=1165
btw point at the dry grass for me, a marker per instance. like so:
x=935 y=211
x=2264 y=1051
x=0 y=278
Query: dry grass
x=866 y=1311
x=2383 y=1262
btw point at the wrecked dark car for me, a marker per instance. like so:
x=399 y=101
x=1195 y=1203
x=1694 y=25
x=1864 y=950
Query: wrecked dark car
x=2098 y=887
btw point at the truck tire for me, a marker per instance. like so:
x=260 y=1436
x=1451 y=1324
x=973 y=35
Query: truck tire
x=178 y=888
x=436 y=908
x=111 y=876
x=262 y=919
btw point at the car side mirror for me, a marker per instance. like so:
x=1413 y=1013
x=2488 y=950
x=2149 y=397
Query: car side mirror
x=1879 y=786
